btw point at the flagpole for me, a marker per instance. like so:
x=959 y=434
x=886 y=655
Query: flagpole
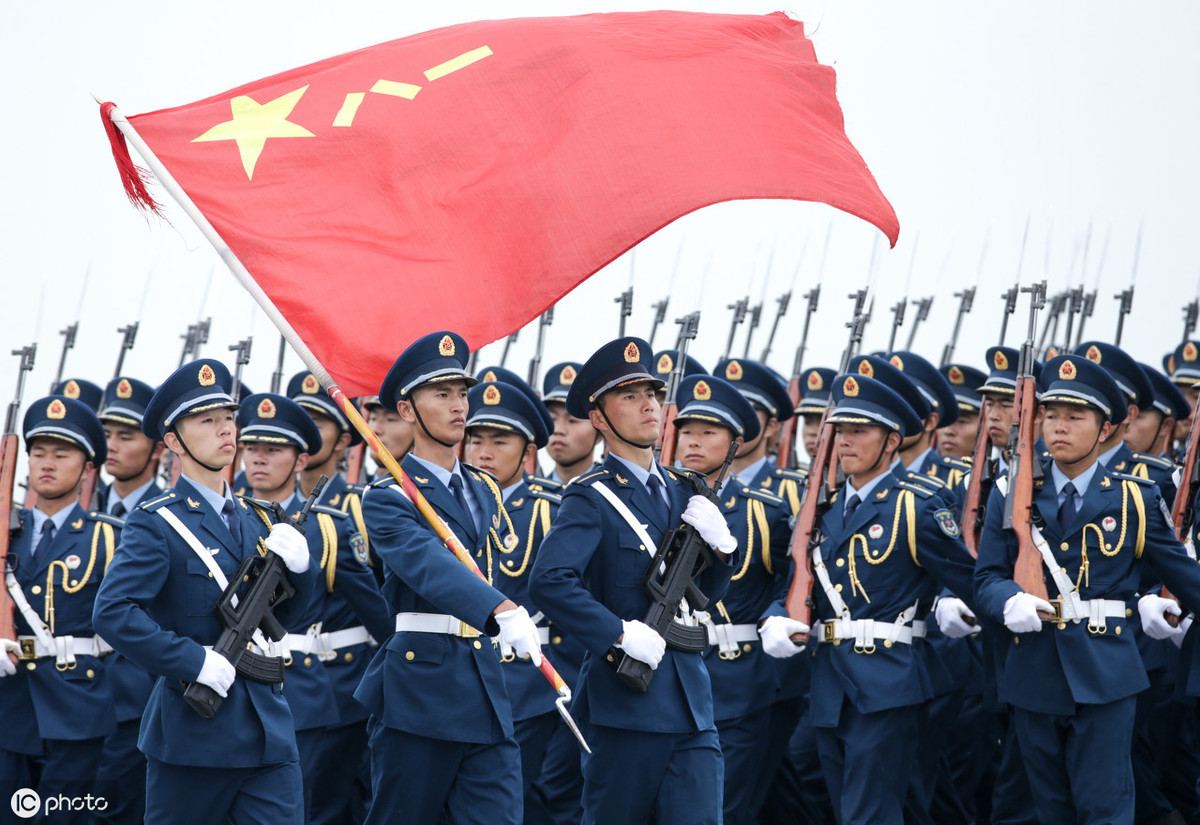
x=452 y=542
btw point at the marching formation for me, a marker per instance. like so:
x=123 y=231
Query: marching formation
x=891 y=591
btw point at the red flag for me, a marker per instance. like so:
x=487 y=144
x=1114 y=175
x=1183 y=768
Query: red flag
x=469 y=177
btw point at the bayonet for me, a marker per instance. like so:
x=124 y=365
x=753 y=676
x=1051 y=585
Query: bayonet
x=783 y=301
x=660 y=313
x=966 y=299
x=535 y=363
x=739 y=308
x=625 y=299
x=130 y=334
x=68 y=335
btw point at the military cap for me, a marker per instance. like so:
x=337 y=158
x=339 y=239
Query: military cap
x=81 y=390
x=306 y=390
x=125 y=401
x=665 y=361
x=931 y=384
x=196 y=387
x=436 y=357
x=268 y=418
x=1168 y=400
x=1123 y=369
x=366 y=402
x=859 y=399
x=558 y=380
x=1073 y=379
x=1004 y=363
x=882 y=370
x=509 y=407
x=623 y=361
x=66 y=419
x=816 y=385
x=1184 y=363
x=762 y=386
x=708 y=398
x=965 y=382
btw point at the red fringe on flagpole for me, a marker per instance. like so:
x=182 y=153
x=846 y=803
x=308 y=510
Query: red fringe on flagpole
x=133 y=177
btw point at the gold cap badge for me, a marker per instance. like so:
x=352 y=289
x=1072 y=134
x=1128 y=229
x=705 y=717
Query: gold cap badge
x=71 y=389
x=733 y=371
x=1190 y=353
x=815 y=382
x=1093 y=354
x=310 y=385
x=1067 y=371
x=1000 y=361
x=567 y=376
x=489 y=377
x=56 y=410
x=955 y=375
x=491 y=396
x=207 y=377
x=897 y=362
x=632 y=356
x=702 y=391
x=124 y=389
x=266 y=408
x=850 y=387
x=665 y=364
x=865 y=368
x=446 y=346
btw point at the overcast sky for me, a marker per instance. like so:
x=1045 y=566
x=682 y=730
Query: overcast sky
x=974 y=118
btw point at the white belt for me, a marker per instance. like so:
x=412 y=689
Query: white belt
x=727 y=638
x=865 y=632
x=435 y=623
x=63 y=649
x=326 y=645
x=1096 y=611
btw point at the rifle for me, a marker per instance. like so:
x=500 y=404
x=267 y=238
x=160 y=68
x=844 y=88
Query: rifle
x=1089 y=306
x=508 y=342
x=277 y=376
x=9 y=518
x=923 y=307
x=625 y=299
x=263 y=583
x=897 y=322
x=739 y=315
x=786 y=456
x=755 y=317
x=130 y=333
x=1058 y=303
x=783 y=301
x=242 y=348
x=535 y=363
x=1125 y=296
x=68 y=335
x=189 y=343
x=807 y=535
x=660 y=312
x=1074 y=307
x=966 y=299
x=665 y=448
x=1024 y=465
x=202 y=330
x=670 y=582
x=1190 y=314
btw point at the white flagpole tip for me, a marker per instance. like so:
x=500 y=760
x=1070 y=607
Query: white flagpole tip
x=98 y=99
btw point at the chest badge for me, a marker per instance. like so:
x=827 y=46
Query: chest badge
x=73 y=562
x=875 y=531
x=1109 y=524
x=510 y=542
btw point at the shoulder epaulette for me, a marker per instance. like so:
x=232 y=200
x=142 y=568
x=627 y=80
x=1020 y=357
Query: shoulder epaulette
x=545 y=495
x=1149 y=482
x=784 y=472
x=923 y=492
x=336 y=512
x=115 y=521
x=543 y=483
x=762 y=495
x=957 y=462
x=483 y=473
x=926 y=479
x=590 y=477
x=359 y=489
x=1153 y=460
x=382 y=481
x=161 y=501
x=263 y=507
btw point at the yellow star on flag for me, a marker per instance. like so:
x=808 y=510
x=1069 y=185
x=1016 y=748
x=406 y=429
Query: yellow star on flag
x=254 y=123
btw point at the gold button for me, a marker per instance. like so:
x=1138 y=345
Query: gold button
x=840 y=562
x=1108 y=547
x=1117 y=630
x=210 y=574
x=1062 y=625
x=609 y=657
x=1128 y=612
x=641 y=547
x=31 y=666
x=349 y=657
x=75 y=583
x=1016 y=640
x=91 y=674
x=1064 y=546
x=746 y=648
x=838 y=588
x=837 y=642
x=308 y=661
x=556 y=640
x=410 y=655
x=478 y=644
x=36 y=589
x=887 y=642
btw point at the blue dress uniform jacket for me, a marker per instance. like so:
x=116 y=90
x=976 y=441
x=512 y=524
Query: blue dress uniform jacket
x=781 y=483
x=429 y=684
x=898 y=548
x=42 y=701
x=1143 y=465
x=156 y=607
x=588 y=578
x=532 y=512
x=1122 y=519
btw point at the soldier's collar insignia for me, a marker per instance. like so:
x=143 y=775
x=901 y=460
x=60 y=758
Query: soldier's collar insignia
x=207 y=377
x=124 y=389
x=882 y=494
x=446 y=346
x=1106 y=482
x=333 y=502
x=620 y=480
x=420 y=480
x=195 y=505
x=517 y=502
x=632 y=354
x=77 y=524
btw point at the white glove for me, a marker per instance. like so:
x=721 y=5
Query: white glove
x=1152 y=608
x=7 y=667
x=217 y=673
x=776 y=634
x=641 y=642
x=290 y=545
x=519 y=632
x=952 y=616
x=1183 y=629
x=1021 y=612
x=710 y=524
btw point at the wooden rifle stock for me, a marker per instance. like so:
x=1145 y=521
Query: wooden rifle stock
x=8 y=477
x=1028 y=572
x=975 y=505
x=789 y=428
x=807 y=534
x=1183 y=514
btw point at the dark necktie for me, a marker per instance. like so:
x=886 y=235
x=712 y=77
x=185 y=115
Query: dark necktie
x=658 y=495
x=119 y=510
x=851 y=505
x=1066 y=513
x=460 y=495
x=43 y=545
x=229 y=513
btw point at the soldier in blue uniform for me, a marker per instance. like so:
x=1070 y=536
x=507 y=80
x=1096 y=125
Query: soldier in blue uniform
x=573 y=441
x=354 y=618
x=816 y=387
x=664 y=364
x=441 y=730
x=889 y=542
x=506 y=425
x=57 y=698
x=81 y=390
x=712 y=415
x=958 y=439
x=132 y=463
x=1073 y=681
x=656 y=755
x=156 y=606
x=1153 y=431
x=921 y=456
